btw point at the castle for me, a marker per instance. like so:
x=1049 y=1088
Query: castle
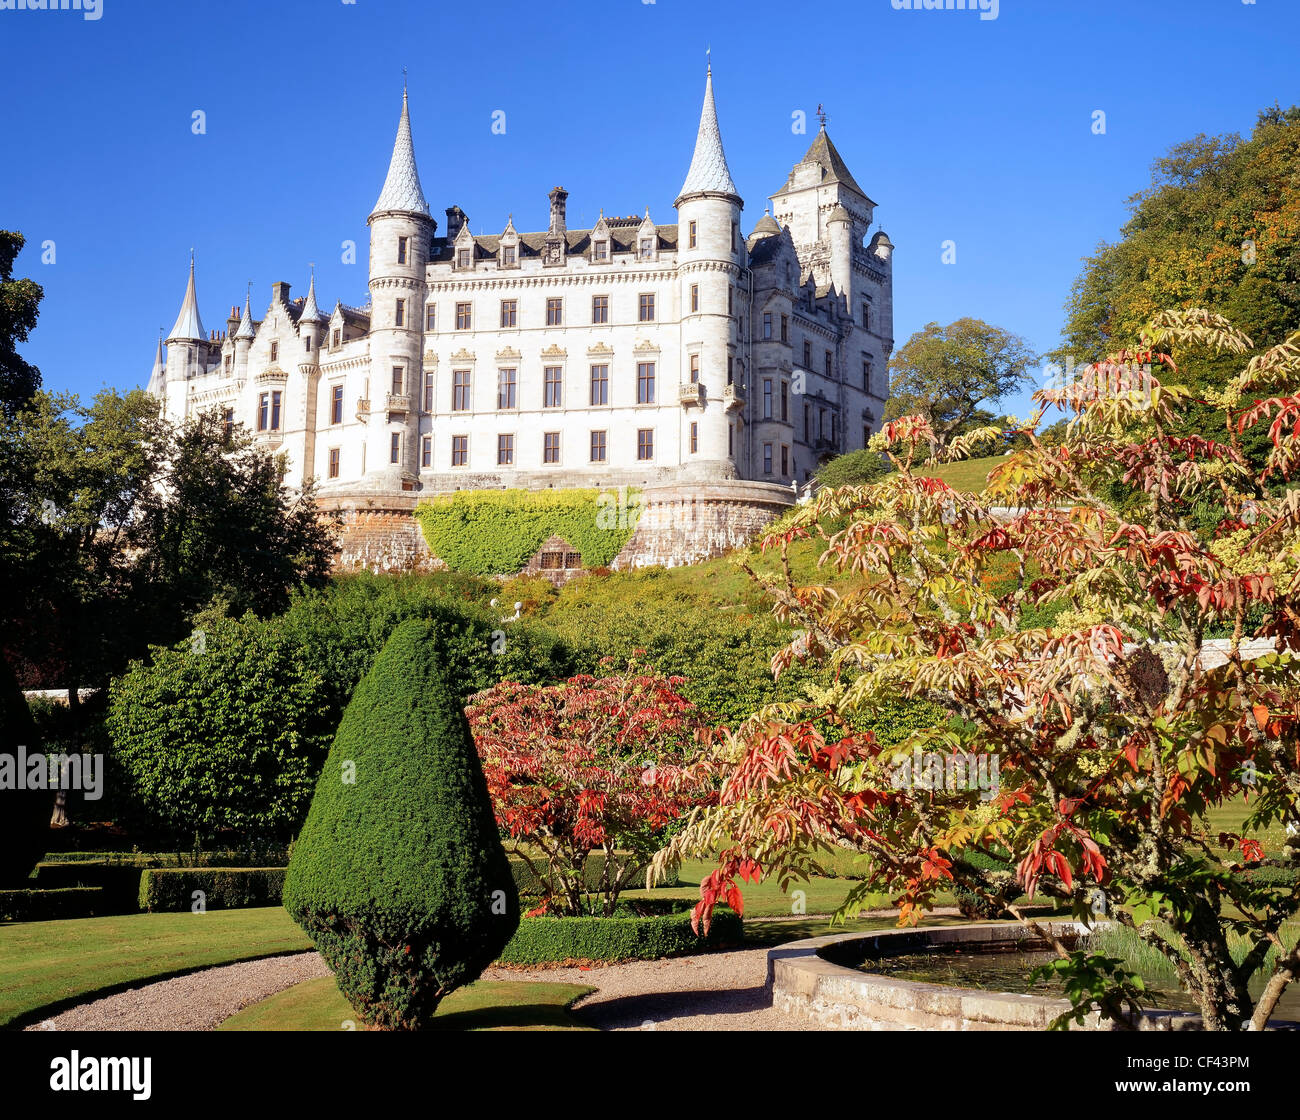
x=712 y=370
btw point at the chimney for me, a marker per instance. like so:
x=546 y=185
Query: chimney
x=558 y=196
x=280 y=292
x=455 y=219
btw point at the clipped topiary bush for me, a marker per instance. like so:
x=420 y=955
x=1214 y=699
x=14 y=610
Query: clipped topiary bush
x=399 y=876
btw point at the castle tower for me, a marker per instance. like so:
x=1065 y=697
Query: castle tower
x=187 y=350
x=158 y=377
x=244 y=335
x=710 y=256
x=401 y=230
x=311 y=330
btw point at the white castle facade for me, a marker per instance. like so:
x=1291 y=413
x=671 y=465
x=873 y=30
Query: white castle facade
x=631 y=353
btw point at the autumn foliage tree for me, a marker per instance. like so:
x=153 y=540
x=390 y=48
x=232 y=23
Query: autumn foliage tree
x=592 y=764
x=1121 y=741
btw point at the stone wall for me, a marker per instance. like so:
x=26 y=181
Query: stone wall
x=380 y=535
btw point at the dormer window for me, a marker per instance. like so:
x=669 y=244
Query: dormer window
x=462 y=258
x=647 y=248
x=508 y=255
x=337 y=336
x=401 y=250
x=601 y=251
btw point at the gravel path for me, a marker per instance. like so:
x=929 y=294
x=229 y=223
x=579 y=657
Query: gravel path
x=195 y=1002
x=710 y=992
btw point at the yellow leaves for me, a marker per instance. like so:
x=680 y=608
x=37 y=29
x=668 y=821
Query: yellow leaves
x=1197 y=327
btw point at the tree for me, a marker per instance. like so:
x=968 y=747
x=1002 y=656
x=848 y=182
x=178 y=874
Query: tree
x=19 y=306
x=946 y=373
x=1104 y=746
x=590 y=764
x=398 y=875
x=854 y=469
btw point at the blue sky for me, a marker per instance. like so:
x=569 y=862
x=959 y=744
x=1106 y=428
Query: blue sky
x=977 y=131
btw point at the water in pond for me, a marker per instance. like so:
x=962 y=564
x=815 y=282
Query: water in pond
x=1008 y=971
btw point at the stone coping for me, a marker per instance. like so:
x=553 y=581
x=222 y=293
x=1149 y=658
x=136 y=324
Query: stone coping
x=806 y=980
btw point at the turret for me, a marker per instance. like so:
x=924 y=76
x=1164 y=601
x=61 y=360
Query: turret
x=158 y=378
x=187 y=343
x=839 y=231
x=710 y=255
x=401 y=230
x=244 y=335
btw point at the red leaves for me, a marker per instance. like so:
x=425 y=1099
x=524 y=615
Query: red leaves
x=1251 y=850
x=935 y=866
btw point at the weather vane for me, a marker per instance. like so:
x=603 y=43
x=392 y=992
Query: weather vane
x=821 y=114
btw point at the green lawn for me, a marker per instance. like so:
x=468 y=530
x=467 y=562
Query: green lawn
x=50 y=963
x=512 y=1005
x=969 y=475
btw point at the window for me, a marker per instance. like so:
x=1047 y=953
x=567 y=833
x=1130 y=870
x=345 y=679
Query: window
x=460 y=390
x=866 y=434
x=735 y=235
x=399 y=314
x=551 y=561
x=261 y=412
x=731 y=369
x=602 y=250
x=397 y=381
x=600 y=384
x=833 y=427
x=866 y=377
x=505 y=451
x=431 y=317
x=509 y=312
x=785 y=328
x=459 y=450
x=462 y=258
x=866 y=316
x=550 y=447
x=767 y=324
x=647 y=307
x=767 y=458
x=645 y=383
x=426 y=451
x=462 y=316
x=598 y=447
x=428 y=392
x=731 y=439
x=306 y=343
x=730 y=300
x=785 y=459
x=645 y=444
x=693 y=228
x=337 y=334
x=695 y=369
x=826 y=363
x=807 y=354
x=573 y=559
x=275 y=411
x=647 y=248
x=401 y=250
x=508 y=255
x=554 y=312
x=275 y=350
x=695 y=297
x=785 y=400
x=395 y=448
x=599 y=309
x=807 y=419
x=551 y=387
x=336 y=405
x=334 y=462
x=767 y=398
x=695 y=437
x=228 y=422
x=506 y=389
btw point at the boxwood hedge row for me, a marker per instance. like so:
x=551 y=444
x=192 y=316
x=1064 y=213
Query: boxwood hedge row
x=567 y=940
x=171 y=889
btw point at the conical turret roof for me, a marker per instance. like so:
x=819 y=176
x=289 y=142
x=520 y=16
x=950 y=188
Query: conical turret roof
x=310 y=312
x=158 y=378
x=188 y=324
x=246 y=329
x=402 y=189
x=709 y=173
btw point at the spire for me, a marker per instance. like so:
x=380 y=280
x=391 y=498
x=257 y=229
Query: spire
x=158 y=378
x=709 y=173
x=402 y=187
x=188 y=324
x=310 y=312
x=246 y=329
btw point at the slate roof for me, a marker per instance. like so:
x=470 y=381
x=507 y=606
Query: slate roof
x=402 y=189
x=709 y=172
x=824 y=154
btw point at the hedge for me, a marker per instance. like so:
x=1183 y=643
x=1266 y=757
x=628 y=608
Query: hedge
x=530 y=886
x=119 y=882
x=562 y=941
x=46 y=906
x=496 y=532
x=171 y=889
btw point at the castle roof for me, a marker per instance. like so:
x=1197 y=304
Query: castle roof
x=622 y=237
x=824 y=154
x=708 y=173
x=158 y=378
x=246 y=327
x=402 y=189
x=310 y=313
x=766 y=226
x=188 y=324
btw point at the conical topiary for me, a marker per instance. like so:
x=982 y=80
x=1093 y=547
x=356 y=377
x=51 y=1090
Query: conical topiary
x=399 y=876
